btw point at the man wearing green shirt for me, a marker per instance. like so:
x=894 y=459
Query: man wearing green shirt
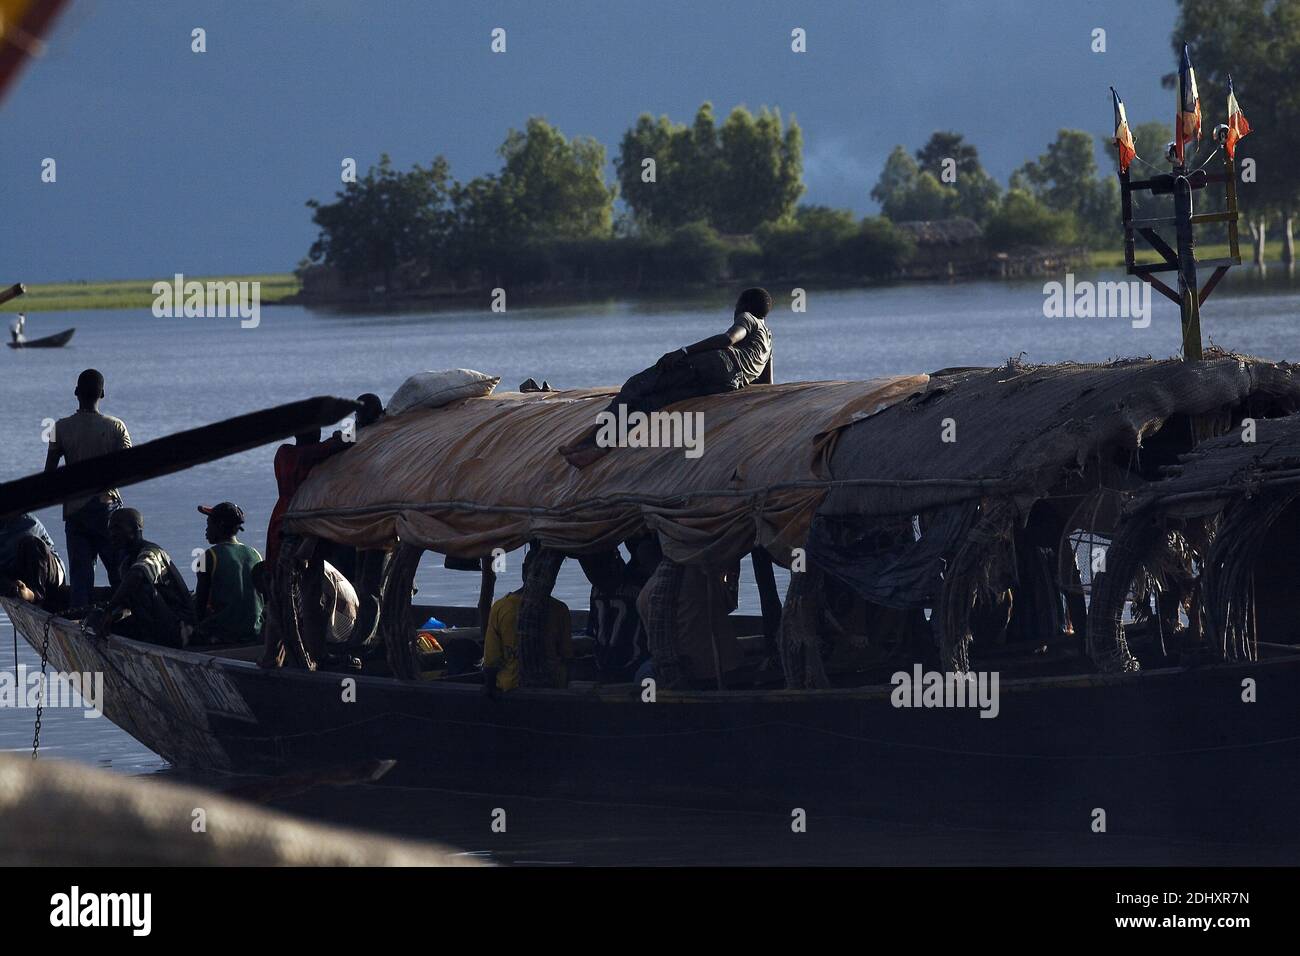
x=228 y=606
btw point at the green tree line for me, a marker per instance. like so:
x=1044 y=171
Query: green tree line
x=702 y=201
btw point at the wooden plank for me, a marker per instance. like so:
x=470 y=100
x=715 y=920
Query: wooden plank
x=1213 y=217
x=1230 y=181
x=1206 y=289
x=1163 y=289
x=1159 y=245
x=170 y=454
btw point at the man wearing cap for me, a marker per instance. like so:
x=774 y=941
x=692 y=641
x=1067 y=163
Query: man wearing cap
x=153 y=601
x=88 y=434
x=226 y=603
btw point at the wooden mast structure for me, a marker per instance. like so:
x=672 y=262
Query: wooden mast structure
x=1180 y=183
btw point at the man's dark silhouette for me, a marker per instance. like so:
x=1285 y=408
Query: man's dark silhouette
x=731 y=360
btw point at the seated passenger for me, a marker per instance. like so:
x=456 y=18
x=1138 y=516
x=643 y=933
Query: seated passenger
x=30 y=568
x=152 y=602
x=226 y=603
x=502 y=666
x=614 y=622
x=685 y=609
x=731 y=360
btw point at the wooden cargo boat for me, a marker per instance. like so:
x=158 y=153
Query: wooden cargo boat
x=1165 y=733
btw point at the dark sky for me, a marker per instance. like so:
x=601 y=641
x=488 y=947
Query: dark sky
x=171 y=161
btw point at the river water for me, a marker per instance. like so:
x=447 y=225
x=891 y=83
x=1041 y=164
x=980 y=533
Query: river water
x=167 y=374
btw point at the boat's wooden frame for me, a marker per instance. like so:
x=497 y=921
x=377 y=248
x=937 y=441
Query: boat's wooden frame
x=1143 y=746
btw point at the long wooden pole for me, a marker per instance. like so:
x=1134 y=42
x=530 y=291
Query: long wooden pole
x=1188 y=288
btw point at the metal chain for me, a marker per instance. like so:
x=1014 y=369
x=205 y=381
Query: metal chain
x=40 y=700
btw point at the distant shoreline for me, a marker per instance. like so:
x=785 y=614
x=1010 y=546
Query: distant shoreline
x=285 y=289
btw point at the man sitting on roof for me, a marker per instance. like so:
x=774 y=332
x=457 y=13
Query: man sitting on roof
x=502 y=665
x=30 y=568
x=731 y=360
x=153 y=602
x=228 y=606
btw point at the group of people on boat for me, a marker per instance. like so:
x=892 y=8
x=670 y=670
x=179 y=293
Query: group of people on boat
x=149 y=599
x=148 y=596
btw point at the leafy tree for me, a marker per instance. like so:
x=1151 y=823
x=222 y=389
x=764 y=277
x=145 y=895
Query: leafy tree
x=1022 y=220
x=823 y=241
x=1258 y=42
x=555 y=186
x=898 y=174
x=761 y=171
x=977 y=191
x=735 y=177
x=911 y=189
x=1065 y=180
x=651 y=203
x=384 y=221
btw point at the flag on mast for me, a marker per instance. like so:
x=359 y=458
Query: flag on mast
x=1123 y=135
x=1237 y=125
x=1187 y=123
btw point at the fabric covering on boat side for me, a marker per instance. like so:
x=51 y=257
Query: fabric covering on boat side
x=1016 y=430
x=484 y=473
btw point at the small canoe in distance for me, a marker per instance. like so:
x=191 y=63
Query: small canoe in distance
x=56 y=341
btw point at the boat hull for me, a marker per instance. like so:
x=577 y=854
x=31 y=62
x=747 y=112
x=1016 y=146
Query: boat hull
x=56 y=341
x=1174 y=751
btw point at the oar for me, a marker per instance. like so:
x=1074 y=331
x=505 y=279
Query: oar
x=13 y=292
x=163 y=456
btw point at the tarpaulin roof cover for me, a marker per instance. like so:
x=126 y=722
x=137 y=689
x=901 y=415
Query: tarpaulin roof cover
x=1228 y=466
x=1017 y=429
x=484 y=473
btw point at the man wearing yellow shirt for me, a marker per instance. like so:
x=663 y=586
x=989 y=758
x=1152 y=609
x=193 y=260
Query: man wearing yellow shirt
x=501 y=663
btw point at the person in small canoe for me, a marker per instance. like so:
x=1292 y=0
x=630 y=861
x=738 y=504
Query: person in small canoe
x=16 y=331
x=227 y=605
x=731 y=360
x=153 y=602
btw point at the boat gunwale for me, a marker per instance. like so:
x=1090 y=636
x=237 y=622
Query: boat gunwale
x=75 y=631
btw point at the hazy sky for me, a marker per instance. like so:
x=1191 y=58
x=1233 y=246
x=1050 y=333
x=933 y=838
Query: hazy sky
x=172 y=161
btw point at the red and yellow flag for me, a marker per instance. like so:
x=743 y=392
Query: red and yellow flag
x=22 y=24
x=1187 y=122
x=1123 y=135
x=1237 y=125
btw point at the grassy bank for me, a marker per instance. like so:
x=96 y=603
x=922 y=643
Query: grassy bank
x=1114 y=258
x=131 y=293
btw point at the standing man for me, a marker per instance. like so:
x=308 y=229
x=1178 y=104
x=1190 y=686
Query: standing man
x=88 y=434
x=227 y=605
x=18 y=329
